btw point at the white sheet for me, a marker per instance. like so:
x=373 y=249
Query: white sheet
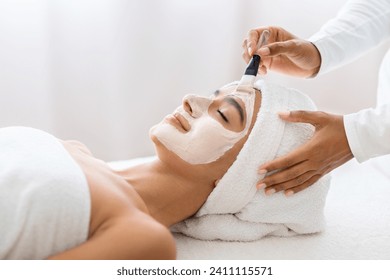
x=357 y=215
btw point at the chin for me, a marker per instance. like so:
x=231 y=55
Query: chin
x=153 y=137
x=153 y=134
x=158 y=146
x=163 y=153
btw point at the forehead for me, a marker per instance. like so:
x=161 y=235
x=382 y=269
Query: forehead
x=246 y=98
x=226 y=89
x=232 y=91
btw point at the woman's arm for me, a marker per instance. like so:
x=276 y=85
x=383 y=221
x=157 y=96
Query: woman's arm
x=359 y=26
x=125 y=238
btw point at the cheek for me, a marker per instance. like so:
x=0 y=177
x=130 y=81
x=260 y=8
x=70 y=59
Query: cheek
x=210 y=139
x=211 y=132
x=206 y=142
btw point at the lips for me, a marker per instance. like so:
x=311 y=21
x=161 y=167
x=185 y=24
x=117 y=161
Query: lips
x=178 y=121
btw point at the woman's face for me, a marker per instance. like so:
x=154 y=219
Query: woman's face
x=203 y=129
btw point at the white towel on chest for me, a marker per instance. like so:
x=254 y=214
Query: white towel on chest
x=44 y=196
x=235 y=210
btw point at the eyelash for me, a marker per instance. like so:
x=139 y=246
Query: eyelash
x=223 y=116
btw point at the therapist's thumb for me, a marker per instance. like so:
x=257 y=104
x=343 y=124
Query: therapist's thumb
x=287 y=48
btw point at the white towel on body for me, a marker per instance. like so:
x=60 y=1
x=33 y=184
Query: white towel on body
x=44 y=196
x=235 y=209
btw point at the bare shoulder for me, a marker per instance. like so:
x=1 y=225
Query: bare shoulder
x=149 y=238
x=136 y=236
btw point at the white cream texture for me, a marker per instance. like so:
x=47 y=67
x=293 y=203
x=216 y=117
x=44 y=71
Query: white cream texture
x=207 y=140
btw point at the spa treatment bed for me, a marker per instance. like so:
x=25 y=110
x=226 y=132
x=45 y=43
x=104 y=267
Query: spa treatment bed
x=357 y=216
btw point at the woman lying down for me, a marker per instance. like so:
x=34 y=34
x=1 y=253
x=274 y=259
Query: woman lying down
x=57 y=201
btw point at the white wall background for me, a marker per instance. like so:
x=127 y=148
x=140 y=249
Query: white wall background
x=104 y=72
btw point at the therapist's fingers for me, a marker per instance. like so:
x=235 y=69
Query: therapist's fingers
x=327 y=149
x=245 y=55
x=292 y=158
x=303 y=186
x=262 y=70
x=289 y=177
x=300 y=154
x=286 y=53
x=296 y=57
x=315 y=118
x=253 y=39
x=276 y=34
x=291 y=184
x=279 y=48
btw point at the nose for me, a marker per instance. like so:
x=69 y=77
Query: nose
x=196 y=105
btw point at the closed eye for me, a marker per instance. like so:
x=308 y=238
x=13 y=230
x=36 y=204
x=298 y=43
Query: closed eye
x=223 y=116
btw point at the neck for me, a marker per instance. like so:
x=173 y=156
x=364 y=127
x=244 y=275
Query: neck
x=169 y=196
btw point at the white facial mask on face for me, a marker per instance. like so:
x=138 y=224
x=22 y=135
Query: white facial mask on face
x=207 y=140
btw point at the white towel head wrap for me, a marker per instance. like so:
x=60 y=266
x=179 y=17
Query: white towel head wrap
x=235 y=209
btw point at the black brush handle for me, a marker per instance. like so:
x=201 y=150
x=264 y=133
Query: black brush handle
x=253 y=66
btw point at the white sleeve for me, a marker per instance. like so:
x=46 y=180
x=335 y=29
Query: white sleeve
x=368 y=132
x=359 y=26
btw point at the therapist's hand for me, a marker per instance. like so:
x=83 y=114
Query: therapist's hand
x=326 y=150
x=284 y=53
